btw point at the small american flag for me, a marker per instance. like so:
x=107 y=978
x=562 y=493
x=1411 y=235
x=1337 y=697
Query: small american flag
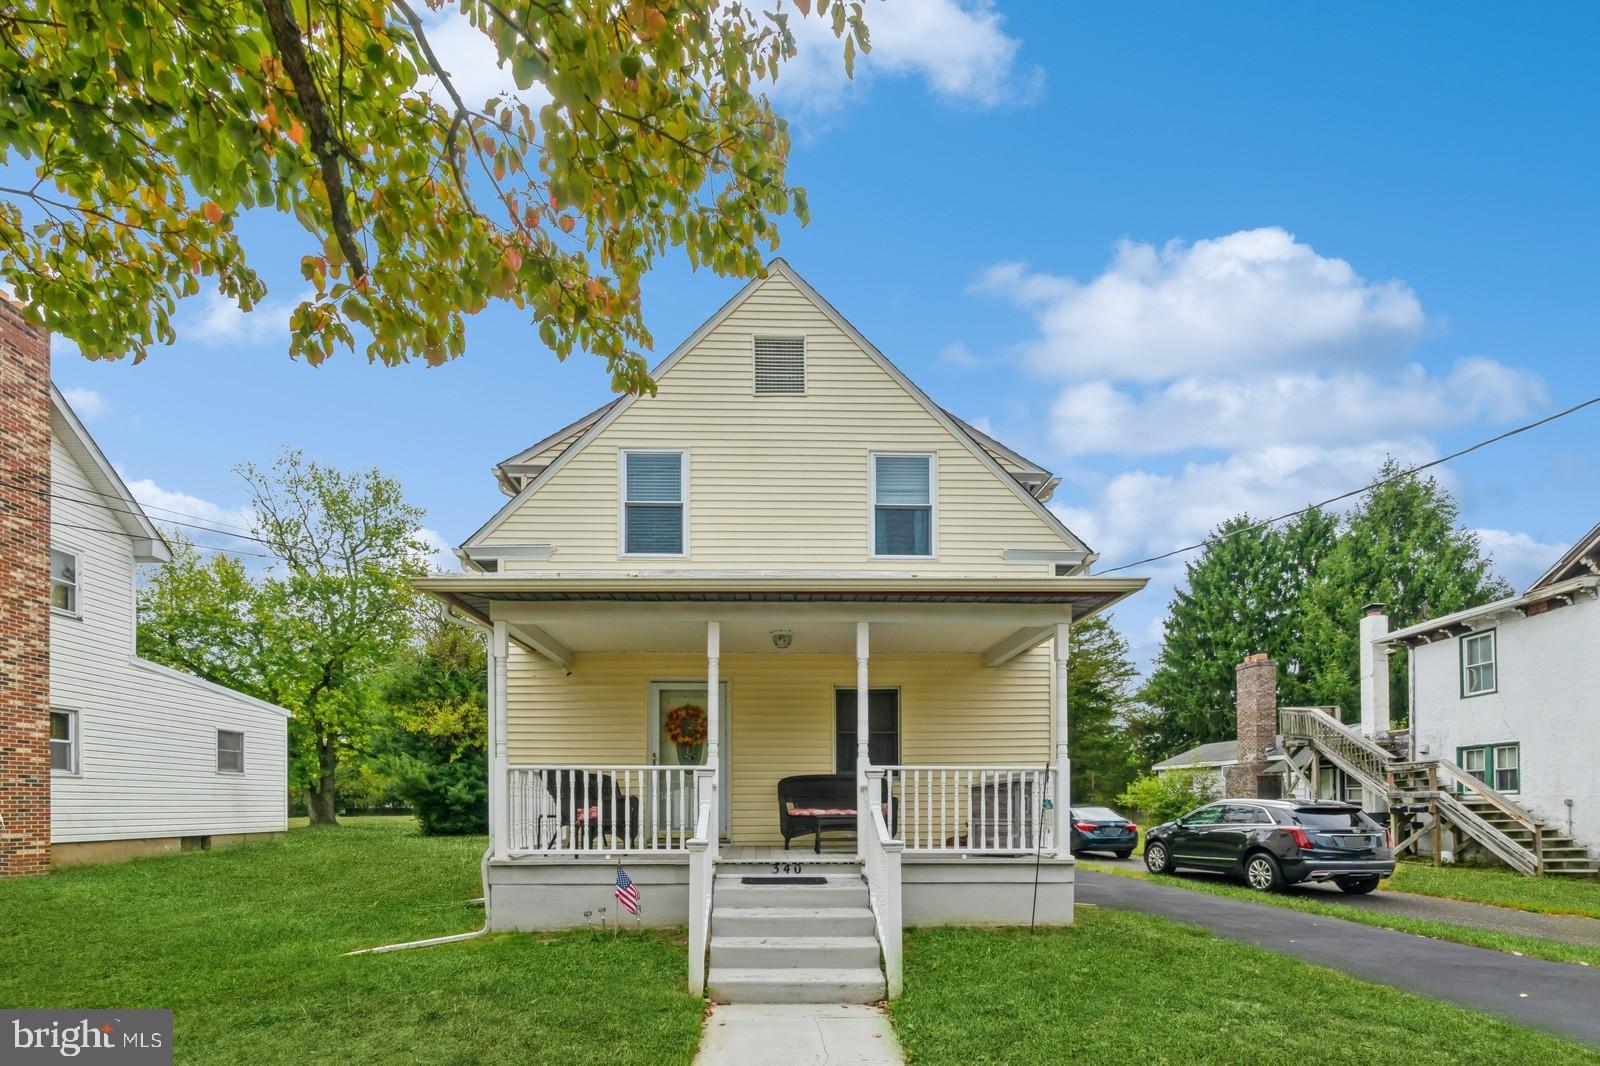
x=627 y=891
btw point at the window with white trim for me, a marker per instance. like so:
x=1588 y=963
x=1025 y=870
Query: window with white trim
x=780 y=366
x=1507 y=763
x=654 y=495
x=63 y=581
x=230 y=752
x=1478 y=672
x=1475 y=761
x=64 y=742
x=903 y=493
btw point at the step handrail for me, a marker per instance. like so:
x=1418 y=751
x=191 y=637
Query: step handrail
x=1514 y=854
x=1354 y=752
x=881 y=854
x=702 y=878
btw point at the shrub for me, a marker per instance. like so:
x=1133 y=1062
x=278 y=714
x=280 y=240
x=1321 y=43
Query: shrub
x=1161 y=797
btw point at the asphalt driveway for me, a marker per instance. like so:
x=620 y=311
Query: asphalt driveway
x=1558 y=997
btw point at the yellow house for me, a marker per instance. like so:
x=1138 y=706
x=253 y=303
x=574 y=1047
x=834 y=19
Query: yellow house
x=787 y=642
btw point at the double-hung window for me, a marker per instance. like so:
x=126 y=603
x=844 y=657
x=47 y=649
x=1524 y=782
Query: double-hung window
x=230 y=752
x=1475 y=761
x=903 y=499
x=655 y=502
x=64 y=742
x=1478 y=669
x=1497 y=765
x=63 y=581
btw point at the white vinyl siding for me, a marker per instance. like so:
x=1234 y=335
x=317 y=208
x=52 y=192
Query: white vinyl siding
x=1478 y=668
x=655 y=495
x=147 y=737
x=64 y=742
x=903 y=506
x=230 y=752
x=64 y=580
x=779 y=484
x=780 y=366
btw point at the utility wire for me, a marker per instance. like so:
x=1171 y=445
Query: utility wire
x=164 y=521
x=226 y=526
x=1401 y=476
x=124 y=533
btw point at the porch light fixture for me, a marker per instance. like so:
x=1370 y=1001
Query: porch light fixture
x=782 y=638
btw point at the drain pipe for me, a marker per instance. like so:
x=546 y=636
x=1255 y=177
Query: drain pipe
x=454 y=938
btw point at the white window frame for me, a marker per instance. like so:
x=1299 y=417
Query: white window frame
x=76 y=610
x=238 y=733
x=933 y=502
x=74 y=743
x=1496 y=767
x=1493 y=663
x=805 y=364
x=622 y=499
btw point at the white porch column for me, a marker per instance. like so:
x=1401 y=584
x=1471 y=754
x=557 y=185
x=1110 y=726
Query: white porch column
x=714 y=727
x=499 y=763
x=1063 y=798
x=864 y=801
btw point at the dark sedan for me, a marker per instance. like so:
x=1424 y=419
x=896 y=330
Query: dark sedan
x=1103 y=829
x=1273 y=843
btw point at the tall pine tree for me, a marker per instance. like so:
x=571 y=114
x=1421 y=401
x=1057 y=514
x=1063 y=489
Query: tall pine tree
x=1100 y=677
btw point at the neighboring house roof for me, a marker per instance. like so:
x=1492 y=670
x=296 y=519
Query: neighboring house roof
x=1472 y=618
x=524 y=472
x=1218 y=753
x=113 y=494
x=1581 y=560
x=211 y=686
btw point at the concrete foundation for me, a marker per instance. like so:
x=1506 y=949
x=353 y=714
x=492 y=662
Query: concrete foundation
x=91 y=852
x=985 y=891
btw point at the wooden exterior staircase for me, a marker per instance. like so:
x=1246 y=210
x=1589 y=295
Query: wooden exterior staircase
x=1426 y=797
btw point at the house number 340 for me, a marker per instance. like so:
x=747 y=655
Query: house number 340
x=786 y=867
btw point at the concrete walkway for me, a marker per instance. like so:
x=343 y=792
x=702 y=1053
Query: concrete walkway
x=1554 y=996
x=756 y=1034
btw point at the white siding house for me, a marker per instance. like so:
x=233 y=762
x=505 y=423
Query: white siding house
x=143 y=758
x=1510 y=692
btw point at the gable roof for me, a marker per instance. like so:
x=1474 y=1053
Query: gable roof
x=65 y=426
x=1223 y=753
x=1580 y=560
x=1030 y=482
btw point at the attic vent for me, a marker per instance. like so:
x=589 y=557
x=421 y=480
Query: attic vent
x=780 y=366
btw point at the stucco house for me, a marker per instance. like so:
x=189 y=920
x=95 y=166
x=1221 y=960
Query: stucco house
x=111 y=755
x=787 y=596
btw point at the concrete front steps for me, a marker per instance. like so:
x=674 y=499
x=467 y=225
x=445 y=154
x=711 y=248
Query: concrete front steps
x=785 y=941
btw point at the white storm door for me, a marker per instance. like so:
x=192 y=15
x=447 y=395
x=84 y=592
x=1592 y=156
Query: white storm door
x=669 y=804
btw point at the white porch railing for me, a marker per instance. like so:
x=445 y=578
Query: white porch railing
x=702 y=876
x=880 y=861
x=614 y=810
x=965 y=809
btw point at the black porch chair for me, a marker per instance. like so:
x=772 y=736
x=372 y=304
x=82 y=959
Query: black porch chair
x=591 y=803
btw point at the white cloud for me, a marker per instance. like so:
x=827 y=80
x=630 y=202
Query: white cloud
x=470 y=58
x=958 y=354
x=1250 y=299
x=439 y=556
x=167 y=507
x=1519 y=557
x=218 y=321
x=1252 y=411
x=958 y=48
x=88 y=403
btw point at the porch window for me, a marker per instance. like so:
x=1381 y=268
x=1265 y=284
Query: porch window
x=1478 y=672
x=64 y=742
x=902 y=505
x=654 y=493
x=230 y=752
x=883 y=728
x=63 y=581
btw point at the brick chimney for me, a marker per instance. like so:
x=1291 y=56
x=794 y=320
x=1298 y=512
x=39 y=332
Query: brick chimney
x=24 y=594
x=1256 y=682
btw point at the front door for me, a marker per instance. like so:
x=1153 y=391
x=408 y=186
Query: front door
x=674 y=707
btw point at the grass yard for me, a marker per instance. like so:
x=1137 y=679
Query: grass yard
x=1124 y=987
x=244 y=945
x=1503 y=888
x=1300 y=901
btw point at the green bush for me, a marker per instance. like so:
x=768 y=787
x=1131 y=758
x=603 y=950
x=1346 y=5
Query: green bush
x=1161 y=797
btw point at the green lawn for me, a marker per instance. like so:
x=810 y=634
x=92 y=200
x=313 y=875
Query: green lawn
x=1304 y=901
x=244 y=945
x=1123 y=987
x=1503 y=888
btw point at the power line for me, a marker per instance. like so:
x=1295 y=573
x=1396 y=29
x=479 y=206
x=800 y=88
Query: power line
x=124 y=533
x=227 y=527
x=165 y=521
x=1401 y=476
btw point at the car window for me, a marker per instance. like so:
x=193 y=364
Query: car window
x=1097 y=814
x=1204 y=816
x=1334 y=818
x=1239 y=814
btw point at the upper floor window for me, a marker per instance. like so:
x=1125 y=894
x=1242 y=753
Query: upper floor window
x=1478 y=671
x=64 y=742
x=230 y=752
x=63 y=581
x=655 y=493
x=780 y=366
x=903 y=493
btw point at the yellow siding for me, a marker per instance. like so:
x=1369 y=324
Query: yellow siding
x=953 y=711
x=779 y=482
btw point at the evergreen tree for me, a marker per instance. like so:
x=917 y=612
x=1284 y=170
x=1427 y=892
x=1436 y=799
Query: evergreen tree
x=1401 y=547
x=1100 y=679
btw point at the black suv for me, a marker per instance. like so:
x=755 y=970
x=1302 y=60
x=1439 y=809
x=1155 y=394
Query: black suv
x=1273 y=843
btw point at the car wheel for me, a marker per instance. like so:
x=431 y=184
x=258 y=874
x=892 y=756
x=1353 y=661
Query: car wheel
x=1156 y=858
x=1262 y=872
x=1356 y=886
x=1122 y=854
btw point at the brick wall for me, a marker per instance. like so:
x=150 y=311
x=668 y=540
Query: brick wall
x=24 y=594
x=1256 y=704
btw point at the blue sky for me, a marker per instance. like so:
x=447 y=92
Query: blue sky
x=1196 y=259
